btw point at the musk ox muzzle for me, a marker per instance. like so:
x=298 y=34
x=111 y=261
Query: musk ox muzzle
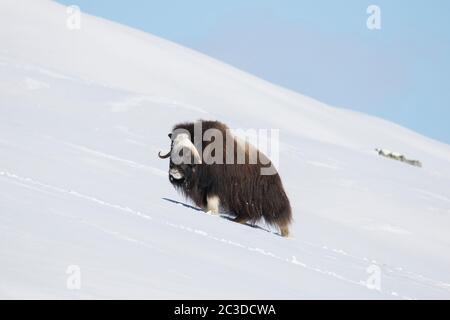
x=238 y=188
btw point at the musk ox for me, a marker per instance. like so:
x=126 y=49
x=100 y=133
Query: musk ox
x=225 y=174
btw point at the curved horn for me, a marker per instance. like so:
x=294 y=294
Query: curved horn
x=168 y=153
x=164 y=156
x=183 y=141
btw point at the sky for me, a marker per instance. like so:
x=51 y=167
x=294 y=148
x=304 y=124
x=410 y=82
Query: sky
x=321 y=48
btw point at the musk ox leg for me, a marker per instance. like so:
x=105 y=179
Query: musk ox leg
x=240 y=219
x=284 y=230
x=213 y=203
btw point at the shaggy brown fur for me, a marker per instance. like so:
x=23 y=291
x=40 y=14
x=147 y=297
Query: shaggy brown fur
x=242 y=190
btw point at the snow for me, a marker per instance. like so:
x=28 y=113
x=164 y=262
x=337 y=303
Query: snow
x=83 y=114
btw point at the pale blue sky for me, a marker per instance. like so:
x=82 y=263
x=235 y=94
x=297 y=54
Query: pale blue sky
x=320 y=48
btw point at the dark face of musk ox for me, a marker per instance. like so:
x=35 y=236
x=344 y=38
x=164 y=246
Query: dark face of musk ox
x=183 y=158
x=180 y=174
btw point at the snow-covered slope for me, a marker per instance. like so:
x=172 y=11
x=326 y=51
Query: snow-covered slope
x=82 y=116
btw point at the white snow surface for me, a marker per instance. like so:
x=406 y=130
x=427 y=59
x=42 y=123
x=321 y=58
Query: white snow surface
x=83 y=114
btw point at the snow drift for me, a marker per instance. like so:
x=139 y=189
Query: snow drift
x=82 y=116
